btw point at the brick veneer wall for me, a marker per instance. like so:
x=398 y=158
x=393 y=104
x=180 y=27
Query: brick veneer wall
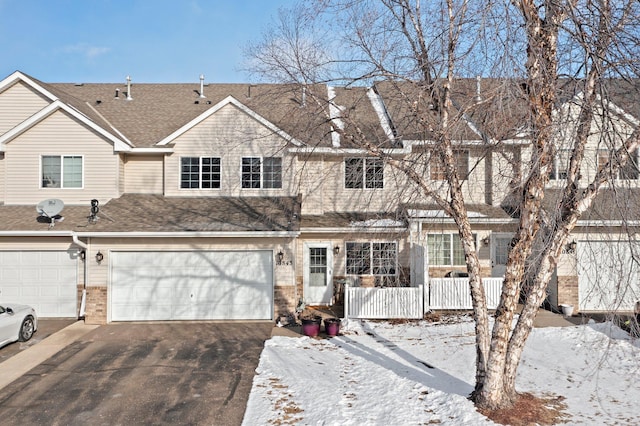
x=96 y=305
x=568 y=291
x=440 y=271
x=285 y=300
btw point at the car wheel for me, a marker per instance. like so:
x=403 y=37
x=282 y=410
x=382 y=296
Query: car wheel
x=26 y=329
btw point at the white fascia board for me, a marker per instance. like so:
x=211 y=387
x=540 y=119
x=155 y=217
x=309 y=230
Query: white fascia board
x=18 y=76
x=228 y=234
x=355 y=229
x=118 y=144
x=607 y=223
x=347 y=151
x=472 y=220
x=141 y=151
x=205 y=234
x=229 y=100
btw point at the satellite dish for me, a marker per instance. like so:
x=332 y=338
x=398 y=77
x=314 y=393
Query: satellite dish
x=50 y=208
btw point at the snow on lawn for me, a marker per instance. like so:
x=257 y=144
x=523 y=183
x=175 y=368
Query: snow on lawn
x=421 y=373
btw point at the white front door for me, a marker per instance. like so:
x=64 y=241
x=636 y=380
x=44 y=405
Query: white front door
x=318 y=273
x=500 y=244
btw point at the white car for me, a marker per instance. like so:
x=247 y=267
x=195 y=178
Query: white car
x=17 y=323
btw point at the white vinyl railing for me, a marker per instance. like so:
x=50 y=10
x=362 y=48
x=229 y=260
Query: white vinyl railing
x=384 y=302
x=413 y=302
x=453 y=293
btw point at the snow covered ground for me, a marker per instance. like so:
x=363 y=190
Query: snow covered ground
x=421 y=373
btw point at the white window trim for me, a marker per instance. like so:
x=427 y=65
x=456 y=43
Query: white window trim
x=451 y=256
x=364 y=173
x=199 y=157
x=262 y=174
x=371 y=274
x=47 y=188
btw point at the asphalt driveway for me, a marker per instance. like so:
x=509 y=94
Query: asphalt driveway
x=179 y=373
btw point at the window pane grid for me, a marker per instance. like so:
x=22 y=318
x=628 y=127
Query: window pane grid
x=272 y=168
x=251 y=172
x=374 y=173
x=200 y=172
x=384 y=258
x=358 y=258
x=353 y=171
x=210 y=173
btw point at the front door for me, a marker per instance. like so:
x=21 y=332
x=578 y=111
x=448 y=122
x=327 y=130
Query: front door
x=500 y=244
x=318 y=271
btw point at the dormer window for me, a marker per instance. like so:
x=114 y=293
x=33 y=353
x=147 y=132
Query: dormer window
x=61 y=171
x=363 y=173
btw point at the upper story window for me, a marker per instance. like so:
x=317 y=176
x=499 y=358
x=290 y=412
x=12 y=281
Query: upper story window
x=628 y=171
x=262 y=172
x=61 y=171
x=560 y=167
x=363 y=173
x=371 y=258
x=200 y=173
x=437 y=170
x=445 y=249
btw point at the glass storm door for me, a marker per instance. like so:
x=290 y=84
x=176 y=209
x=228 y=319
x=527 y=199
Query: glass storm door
x=318 y=288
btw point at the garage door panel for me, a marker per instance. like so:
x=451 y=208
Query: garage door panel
x=197 y=285
x=46 y=280
x=608 y=275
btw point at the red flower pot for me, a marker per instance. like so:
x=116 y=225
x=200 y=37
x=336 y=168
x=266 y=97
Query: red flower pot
x=332 y=326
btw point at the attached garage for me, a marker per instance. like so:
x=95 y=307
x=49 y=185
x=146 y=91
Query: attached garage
x=46 y=280
x=191 y=285
x=608 y=275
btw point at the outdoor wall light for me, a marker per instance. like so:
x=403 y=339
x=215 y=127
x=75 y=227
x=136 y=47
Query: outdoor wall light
x=99 y=257
x=571 y=247
x=82 y=255
x=336 y=250
x=280 y=257
x=485 y=241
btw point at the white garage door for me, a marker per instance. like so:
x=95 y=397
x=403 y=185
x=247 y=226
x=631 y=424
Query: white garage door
x=198 y=285
x=46 y=280
x=608 y=275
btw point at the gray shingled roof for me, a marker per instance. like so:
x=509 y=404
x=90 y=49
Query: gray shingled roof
x=155 y=213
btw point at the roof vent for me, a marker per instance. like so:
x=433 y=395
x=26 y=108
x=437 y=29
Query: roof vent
x=202 y=86
x=129 y=98
x=117 y=94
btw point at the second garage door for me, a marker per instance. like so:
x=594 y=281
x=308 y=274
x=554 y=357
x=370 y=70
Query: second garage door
x=608 y=275
x=153 y=285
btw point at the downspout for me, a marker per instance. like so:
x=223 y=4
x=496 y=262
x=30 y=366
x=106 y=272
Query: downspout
x=83 y=301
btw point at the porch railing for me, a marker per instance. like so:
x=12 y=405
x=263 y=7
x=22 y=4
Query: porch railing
x=453 y=293
x=384 y=302
x=413 y=302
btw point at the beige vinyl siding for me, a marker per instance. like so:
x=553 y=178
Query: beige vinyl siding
x=143 y=174
x=312 y=182
x=17 y=103
x=231 y=135
x=2 y=179
x=60 y=134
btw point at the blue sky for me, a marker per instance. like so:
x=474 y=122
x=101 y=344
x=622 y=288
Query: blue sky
x=150 y=40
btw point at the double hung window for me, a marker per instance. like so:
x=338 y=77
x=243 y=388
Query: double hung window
x=445 y=249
